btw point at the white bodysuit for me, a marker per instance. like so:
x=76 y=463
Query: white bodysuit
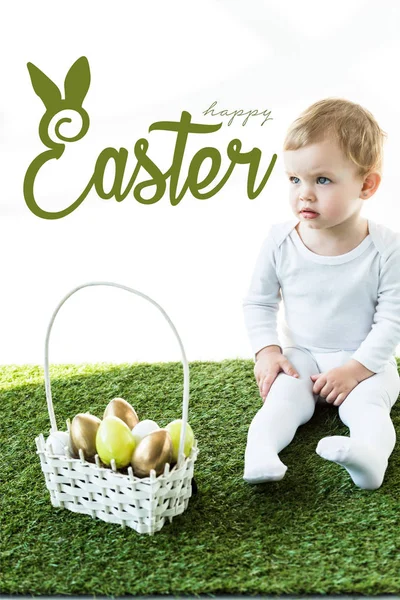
x=336 y=308
x=348 y=302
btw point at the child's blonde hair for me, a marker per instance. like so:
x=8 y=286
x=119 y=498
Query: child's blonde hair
x=352 y=126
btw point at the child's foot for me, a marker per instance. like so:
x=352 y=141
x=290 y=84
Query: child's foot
x=364 y=463
x=263 y=465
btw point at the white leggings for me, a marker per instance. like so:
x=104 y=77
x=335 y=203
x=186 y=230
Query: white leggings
x=291 y=402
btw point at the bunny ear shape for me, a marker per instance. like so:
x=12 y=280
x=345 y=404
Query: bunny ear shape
x=77 y=82
x=47 y=91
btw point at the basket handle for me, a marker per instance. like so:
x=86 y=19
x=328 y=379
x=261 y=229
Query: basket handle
x=185 y=404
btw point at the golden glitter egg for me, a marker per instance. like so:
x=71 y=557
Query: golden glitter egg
x=123 y=410
x=83 y=432
x=154 y=451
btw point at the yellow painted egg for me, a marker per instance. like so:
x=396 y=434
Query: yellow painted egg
x=174 y=429
x=114 y=440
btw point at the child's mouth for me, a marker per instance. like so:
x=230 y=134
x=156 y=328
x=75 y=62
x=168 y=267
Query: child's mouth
x=309 y=214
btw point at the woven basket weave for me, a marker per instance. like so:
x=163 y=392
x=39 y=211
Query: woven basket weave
x=143 y=504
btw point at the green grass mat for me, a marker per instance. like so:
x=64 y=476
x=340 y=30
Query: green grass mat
x=313 y=532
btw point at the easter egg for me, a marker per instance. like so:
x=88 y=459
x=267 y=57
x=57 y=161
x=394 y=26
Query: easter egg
x=144 y=428
x=114 y=440
x=122 y=409
x=174 y=429
x=83 y=432
x=152 y=452
x=57 y=441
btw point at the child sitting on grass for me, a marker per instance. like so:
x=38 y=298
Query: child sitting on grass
x=338 y=276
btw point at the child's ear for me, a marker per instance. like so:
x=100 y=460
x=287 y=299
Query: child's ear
x=77 y=82
x=47 y=91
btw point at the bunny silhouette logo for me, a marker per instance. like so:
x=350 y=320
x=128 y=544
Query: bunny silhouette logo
x=58 y=110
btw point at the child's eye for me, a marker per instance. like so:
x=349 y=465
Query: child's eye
x=290 y=178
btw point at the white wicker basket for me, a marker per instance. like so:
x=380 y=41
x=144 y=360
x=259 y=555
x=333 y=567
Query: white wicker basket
x=90 y=488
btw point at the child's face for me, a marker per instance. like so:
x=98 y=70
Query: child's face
x=322 y=179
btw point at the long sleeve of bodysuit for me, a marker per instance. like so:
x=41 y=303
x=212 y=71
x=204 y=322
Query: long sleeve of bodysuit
x=381 y=341
x=261 y=303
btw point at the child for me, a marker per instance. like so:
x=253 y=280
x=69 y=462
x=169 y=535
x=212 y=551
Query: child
x=338 y=275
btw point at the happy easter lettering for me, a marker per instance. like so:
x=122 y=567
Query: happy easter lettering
x=60 y=112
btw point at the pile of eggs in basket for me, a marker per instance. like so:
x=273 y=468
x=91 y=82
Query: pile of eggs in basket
x=121 y=437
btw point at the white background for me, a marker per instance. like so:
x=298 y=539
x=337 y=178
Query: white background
x=149 y=61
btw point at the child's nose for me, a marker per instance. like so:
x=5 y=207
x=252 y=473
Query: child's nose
x=307 y=196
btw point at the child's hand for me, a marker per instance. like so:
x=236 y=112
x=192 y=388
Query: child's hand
x=335 y=385
x=268 y=365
